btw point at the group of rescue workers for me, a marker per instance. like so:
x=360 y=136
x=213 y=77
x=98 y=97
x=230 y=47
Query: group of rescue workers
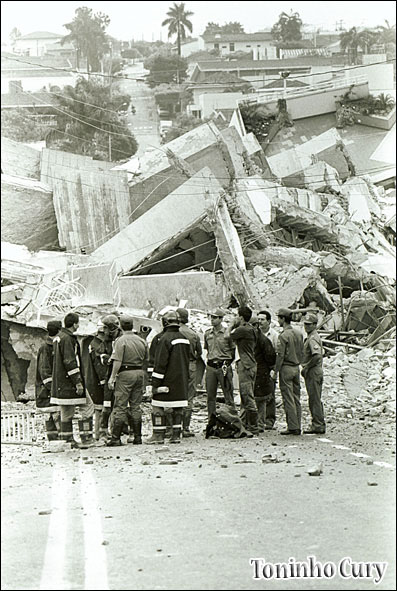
x=108 y=378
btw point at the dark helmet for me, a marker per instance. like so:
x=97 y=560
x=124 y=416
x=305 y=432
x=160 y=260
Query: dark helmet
x=170 y=319
x=111 y=321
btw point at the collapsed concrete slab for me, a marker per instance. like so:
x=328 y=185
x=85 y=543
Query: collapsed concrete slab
x=18 y=159
x=182 y=208
x=160 y=172
x=27 y=213
x=201 y=289
x=91 y=202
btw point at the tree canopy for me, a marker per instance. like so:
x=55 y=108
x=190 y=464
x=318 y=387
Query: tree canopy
x=21 y=126
x=352 y=40
x=165 y=69
x=177 y=22
x=288 y=27
x=89 y=114
x=232 y=27
x=88 y=35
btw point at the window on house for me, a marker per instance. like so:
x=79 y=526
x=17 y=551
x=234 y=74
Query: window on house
x=224 y=46
x=248 y=46
x=216 y=45
x=231 y=46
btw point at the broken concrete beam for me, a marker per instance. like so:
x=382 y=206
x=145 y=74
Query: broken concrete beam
x=362 y=198
x=319 y=176
x=19 y=160
x=27 y=213
x=231 y=256
x=305 y=221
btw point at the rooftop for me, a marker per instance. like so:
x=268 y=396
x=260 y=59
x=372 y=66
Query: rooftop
x=260 y=36
x=27 y=99
x=300 y=61
x=41 y=35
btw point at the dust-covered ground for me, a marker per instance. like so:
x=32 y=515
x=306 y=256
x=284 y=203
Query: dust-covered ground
x=196 y=515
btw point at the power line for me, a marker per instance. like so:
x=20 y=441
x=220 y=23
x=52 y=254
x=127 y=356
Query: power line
x=175 y=70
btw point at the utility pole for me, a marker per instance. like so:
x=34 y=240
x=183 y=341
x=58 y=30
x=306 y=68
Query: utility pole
x=110 y=94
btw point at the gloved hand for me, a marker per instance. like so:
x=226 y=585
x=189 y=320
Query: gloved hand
x=79 y=389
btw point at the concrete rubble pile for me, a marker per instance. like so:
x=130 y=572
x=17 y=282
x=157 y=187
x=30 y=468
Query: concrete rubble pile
x=206 y=222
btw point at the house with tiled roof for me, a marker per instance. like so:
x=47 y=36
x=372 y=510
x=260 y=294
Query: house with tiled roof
x=34 y=73
x=34 y=44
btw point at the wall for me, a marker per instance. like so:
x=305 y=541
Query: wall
x=27 y=213
x=380 y=77
x=218 y=100
x=91 y=201
x=36 y=83
x=19 y=160
x=201 y=289
x=35 y=47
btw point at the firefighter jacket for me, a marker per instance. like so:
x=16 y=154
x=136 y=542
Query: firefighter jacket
x=152 y=352
x=66 y=372
x=171 y=369
x=44 y=363
x=96 y=368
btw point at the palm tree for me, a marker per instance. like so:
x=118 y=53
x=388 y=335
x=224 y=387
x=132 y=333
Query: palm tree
x=178 y=21
x=353 y=39
x=387 y=33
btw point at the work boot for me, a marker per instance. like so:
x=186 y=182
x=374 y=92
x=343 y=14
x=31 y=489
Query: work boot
x=85 y=428
x=176 y=426
x=136 y=429
x=115 y=440
x=51 y=430
x=131 y=434
x=67 y=433
x=158 y=422
x=187 y=415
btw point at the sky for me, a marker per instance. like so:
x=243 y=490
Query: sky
x=142 y=20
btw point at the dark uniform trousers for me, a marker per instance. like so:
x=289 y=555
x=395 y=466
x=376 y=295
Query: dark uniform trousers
x=191 y=393
x=314 y=383
x=128 y=391
x=290 y=391
x=214 y=377
x=246 y=380
x=266 y=404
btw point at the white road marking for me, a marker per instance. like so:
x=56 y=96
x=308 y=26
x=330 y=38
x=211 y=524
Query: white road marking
x=383 y=464
x=54 y=559
x=356 y=454
x=96 y=576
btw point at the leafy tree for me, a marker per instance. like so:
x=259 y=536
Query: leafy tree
x=232 y=27
x=14 y=35
x=165 y=69
x=21 y=126
x=91 y=114
x=386 y=33
x=177 y=22
x=88 y=35
x=288 y=27
x=353 y=40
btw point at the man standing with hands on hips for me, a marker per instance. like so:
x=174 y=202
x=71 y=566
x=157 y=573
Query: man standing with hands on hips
x=289 y=356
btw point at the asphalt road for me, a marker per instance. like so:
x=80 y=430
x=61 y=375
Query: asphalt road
x=144 y=124
x=117 y=518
